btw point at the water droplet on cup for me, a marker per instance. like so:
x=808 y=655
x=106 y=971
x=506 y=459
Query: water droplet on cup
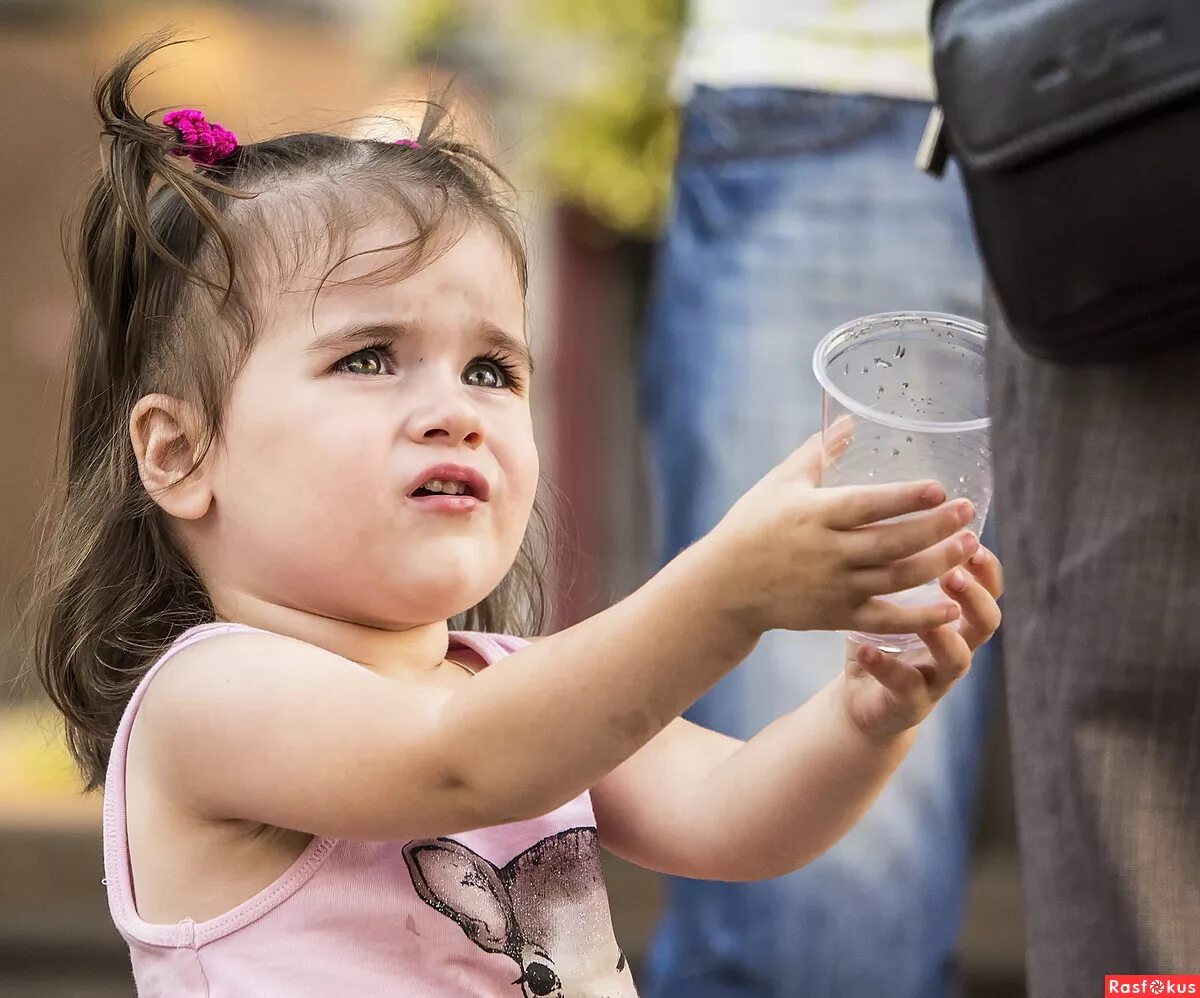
x=895 y=452
x=925 y=320
x=864 y=370
x=895 y=322
x=962 y=479
x=874 y=450
x=900 y=351
x=880 y=362
x=908 y=440
x=904 y=385
x=846 y=369
x=870 y=474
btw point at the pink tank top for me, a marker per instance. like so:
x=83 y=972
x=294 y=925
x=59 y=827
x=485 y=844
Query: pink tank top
x=512 y=910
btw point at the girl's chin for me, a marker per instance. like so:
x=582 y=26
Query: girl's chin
x=435 y=602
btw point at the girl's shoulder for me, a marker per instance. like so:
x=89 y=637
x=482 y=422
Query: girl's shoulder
x=200 y=632
x=335 y=731
x=255 y=648
x=199 y=635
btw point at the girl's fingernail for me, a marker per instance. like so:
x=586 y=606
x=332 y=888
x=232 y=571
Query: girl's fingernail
x=979 y=557
x=966 y=512
x=934 y=493
x=953 y=611
x=957 y=581
x=969 y=543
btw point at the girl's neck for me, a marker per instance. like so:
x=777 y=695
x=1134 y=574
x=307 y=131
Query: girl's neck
x=390 y=650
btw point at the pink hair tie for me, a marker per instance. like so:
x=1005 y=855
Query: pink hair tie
x=203 y=141
x=407 y=143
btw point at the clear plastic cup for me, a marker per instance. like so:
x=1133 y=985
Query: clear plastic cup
x=913 y=383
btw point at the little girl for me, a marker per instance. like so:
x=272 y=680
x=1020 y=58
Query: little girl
x=278 y=603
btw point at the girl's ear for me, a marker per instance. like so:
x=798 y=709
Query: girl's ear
x=166 y=441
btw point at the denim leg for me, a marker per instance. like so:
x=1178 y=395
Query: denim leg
x=794 y=212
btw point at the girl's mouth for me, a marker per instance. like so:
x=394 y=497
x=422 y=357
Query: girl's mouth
x=450 y=481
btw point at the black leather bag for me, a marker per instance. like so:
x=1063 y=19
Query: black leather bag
x=1076 y=127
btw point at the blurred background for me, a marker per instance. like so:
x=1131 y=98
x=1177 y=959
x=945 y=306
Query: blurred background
x=572 y=98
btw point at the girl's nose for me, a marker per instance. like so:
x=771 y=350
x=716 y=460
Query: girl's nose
x=449 y=419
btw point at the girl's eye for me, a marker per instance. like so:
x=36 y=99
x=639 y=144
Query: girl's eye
x=493 y=371
x=372 y=360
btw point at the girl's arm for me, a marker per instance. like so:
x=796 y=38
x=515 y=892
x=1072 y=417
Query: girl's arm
x=694 y=803
x=265 y=729
x=698 y=804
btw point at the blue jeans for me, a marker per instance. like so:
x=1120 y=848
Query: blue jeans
x=795 y=211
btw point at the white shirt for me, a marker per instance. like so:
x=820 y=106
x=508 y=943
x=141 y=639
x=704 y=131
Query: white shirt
x=850 y=46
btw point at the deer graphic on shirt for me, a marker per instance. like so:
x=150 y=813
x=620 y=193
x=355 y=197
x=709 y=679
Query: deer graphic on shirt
x=547 y=909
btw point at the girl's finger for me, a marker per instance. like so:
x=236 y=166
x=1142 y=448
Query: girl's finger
x=899 y=678
x=812 y=457
x=917 y=569
x=836 y=439
x=881 y=616
x=850 y=506
x=986 y=567
x=981 y=614
x=951 y=657
x=884 y=543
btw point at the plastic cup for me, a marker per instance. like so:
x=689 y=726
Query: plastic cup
x=913 y=383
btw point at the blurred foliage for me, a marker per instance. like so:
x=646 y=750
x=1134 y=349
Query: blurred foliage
x=611 y=143
x=600 y=74
x=423 y=27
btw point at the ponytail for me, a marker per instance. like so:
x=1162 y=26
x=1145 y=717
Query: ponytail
x=111 y=586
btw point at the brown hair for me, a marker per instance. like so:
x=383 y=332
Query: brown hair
x=167 y=254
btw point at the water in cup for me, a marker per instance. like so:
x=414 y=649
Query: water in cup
x=913 y=385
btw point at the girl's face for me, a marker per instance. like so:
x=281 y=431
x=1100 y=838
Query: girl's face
x=343 y=413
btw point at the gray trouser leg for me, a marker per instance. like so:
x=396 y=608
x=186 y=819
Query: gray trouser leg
x=1098 y=510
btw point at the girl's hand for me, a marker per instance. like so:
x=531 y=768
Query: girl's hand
x=793 y=556
x=887 y=694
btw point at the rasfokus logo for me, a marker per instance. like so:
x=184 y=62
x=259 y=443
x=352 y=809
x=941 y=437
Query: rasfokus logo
x=1152 y=984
